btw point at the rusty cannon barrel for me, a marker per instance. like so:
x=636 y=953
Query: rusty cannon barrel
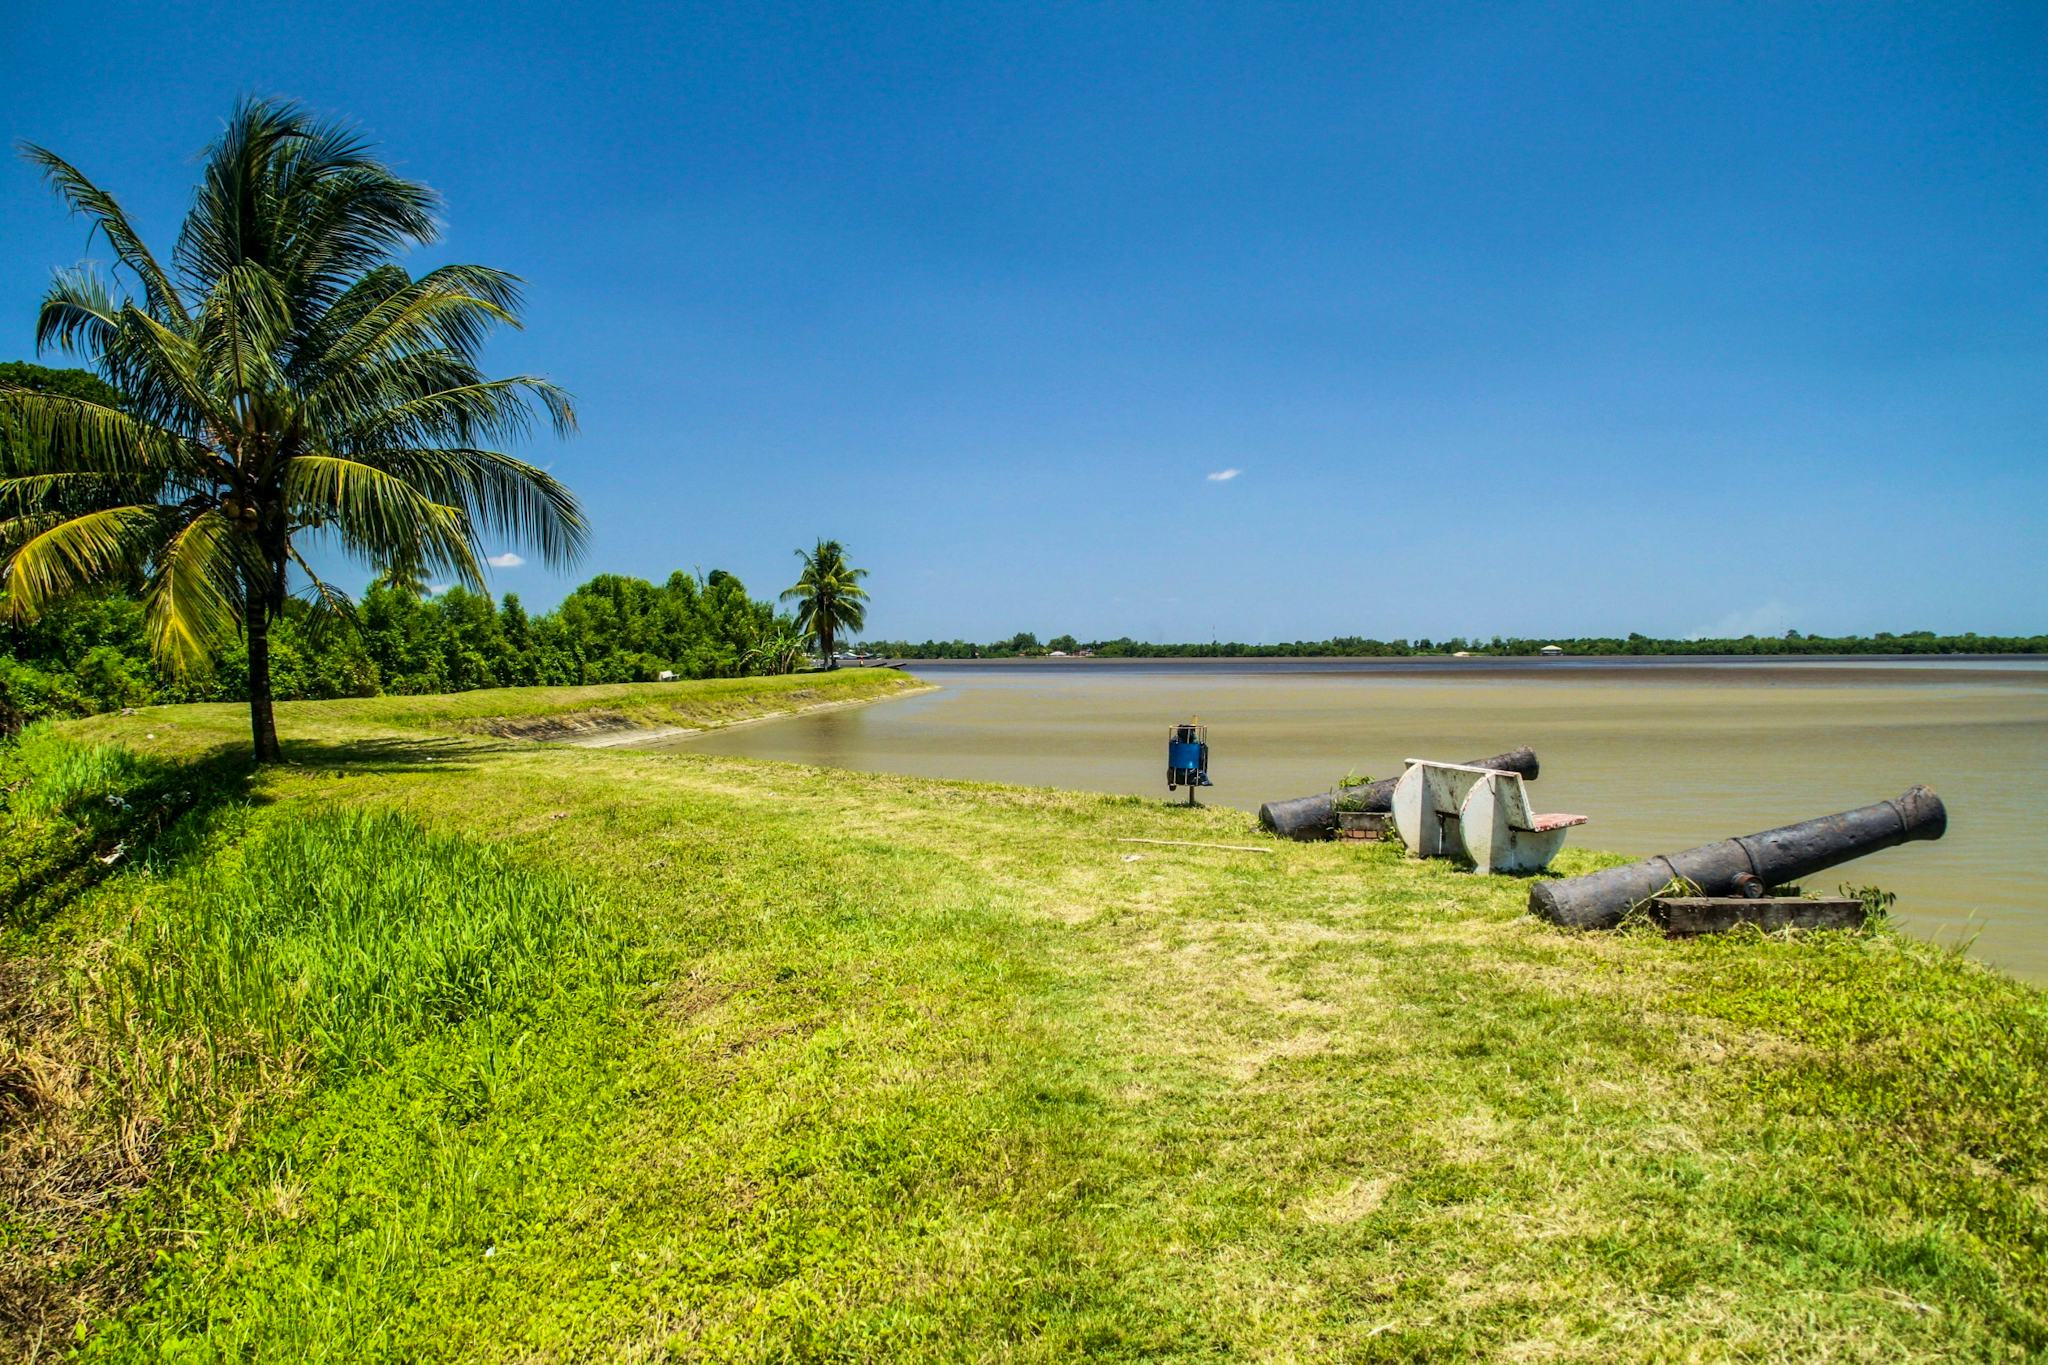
x=1749 y=865
x=1315 y=817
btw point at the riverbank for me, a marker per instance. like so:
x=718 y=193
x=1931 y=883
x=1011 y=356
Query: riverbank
x=435 y=1044
x=1658 y=760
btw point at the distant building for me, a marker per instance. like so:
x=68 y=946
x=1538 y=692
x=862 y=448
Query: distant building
x=1462 y=654
x=1552 y=650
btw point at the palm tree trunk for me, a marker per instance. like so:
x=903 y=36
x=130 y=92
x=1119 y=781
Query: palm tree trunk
x=825 y=644
x=262 y=720
x=265 y=604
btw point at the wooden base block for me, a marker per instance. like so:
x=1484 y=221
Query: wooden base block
x=1360 y=824
x=1685 y=916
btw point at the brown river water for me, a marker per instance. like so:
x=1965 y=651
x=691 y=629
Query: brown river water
x=1661 y=755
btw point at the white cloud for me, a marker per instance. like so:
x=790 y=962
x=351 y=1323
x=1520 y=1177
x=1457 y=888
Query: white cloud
x=507 y=560
x=1224 y=475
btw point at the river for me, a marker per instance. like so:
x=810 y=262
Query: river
x=1660 y=754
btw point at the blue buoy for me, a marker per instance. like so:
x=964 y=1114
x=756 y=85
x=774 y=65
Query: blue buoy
x=1187 y=758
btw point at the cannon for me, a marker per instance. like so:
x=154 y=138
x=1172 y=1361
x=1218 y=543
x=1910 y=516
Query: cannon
x=1746 y=866
x=1315 y=817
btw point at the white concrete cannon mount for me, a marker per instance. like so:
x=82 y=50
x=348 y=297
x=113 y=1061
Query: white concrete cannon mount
x=1478 y=815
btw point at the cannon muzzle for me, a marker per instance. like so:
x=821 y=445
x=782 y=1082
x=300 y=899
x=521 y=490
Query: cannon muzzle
x=1601 y=900
x=1315 y=817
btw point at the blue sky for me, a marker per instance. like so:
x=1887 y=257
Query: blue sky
x=1538 y=320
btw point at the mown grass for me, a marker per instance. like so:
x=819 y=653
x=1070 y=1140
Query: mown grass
x=704 y=704
x=530 y=1052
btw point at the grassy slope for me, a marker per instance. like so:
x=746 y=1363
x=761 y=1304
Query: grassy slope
x=868 y=1067
x=692 y=705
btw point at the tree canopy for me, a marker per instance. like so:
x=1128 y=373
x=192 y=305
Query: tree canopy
x=94 y=655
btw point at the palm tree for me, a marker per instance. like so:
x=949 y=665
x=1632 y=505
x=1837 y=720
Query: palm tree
x=828 y=595
x=283 y=379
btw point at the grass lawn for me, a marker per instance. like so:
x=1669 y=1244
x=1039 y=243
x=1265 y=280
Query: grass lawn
x=440 y=1045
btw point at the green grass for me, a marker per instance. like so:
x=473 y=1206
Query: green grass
x=444 y=1047
x=692 y=705
x=342 y=936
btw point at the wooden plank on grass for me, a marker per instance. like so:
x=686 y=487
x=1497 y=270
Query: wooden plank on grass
x=1685 y=916
x=1188 y=843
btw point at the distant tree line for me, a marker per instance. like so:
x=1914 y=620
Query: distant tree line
x=93 y=654
x=1026 y=645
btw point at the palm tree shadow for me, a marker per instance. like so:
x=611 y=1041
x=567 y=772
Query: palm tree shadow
x=163 y=814
x=96 y=834
x=412 y=754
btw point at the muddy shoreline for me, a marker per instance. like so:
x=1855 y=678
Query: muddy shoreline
x=610 y=729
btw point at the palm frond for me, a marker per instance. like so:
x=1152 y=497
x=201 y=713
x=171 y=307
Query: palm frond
x=111 y=222
x=242 y=327
x=162 y=374
x=492 y=410
x=71 y=492
x=326 y=599
x=302 y=197
x=230 y=221
x=192 y=603
x=506 y=497
x=347 y=309
x=56 y=555
x=352 y=399
x=381 y=516
x=50 y=433
x=438 y=314
x=347 y=211
x=350 y=214
x=79 y=313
